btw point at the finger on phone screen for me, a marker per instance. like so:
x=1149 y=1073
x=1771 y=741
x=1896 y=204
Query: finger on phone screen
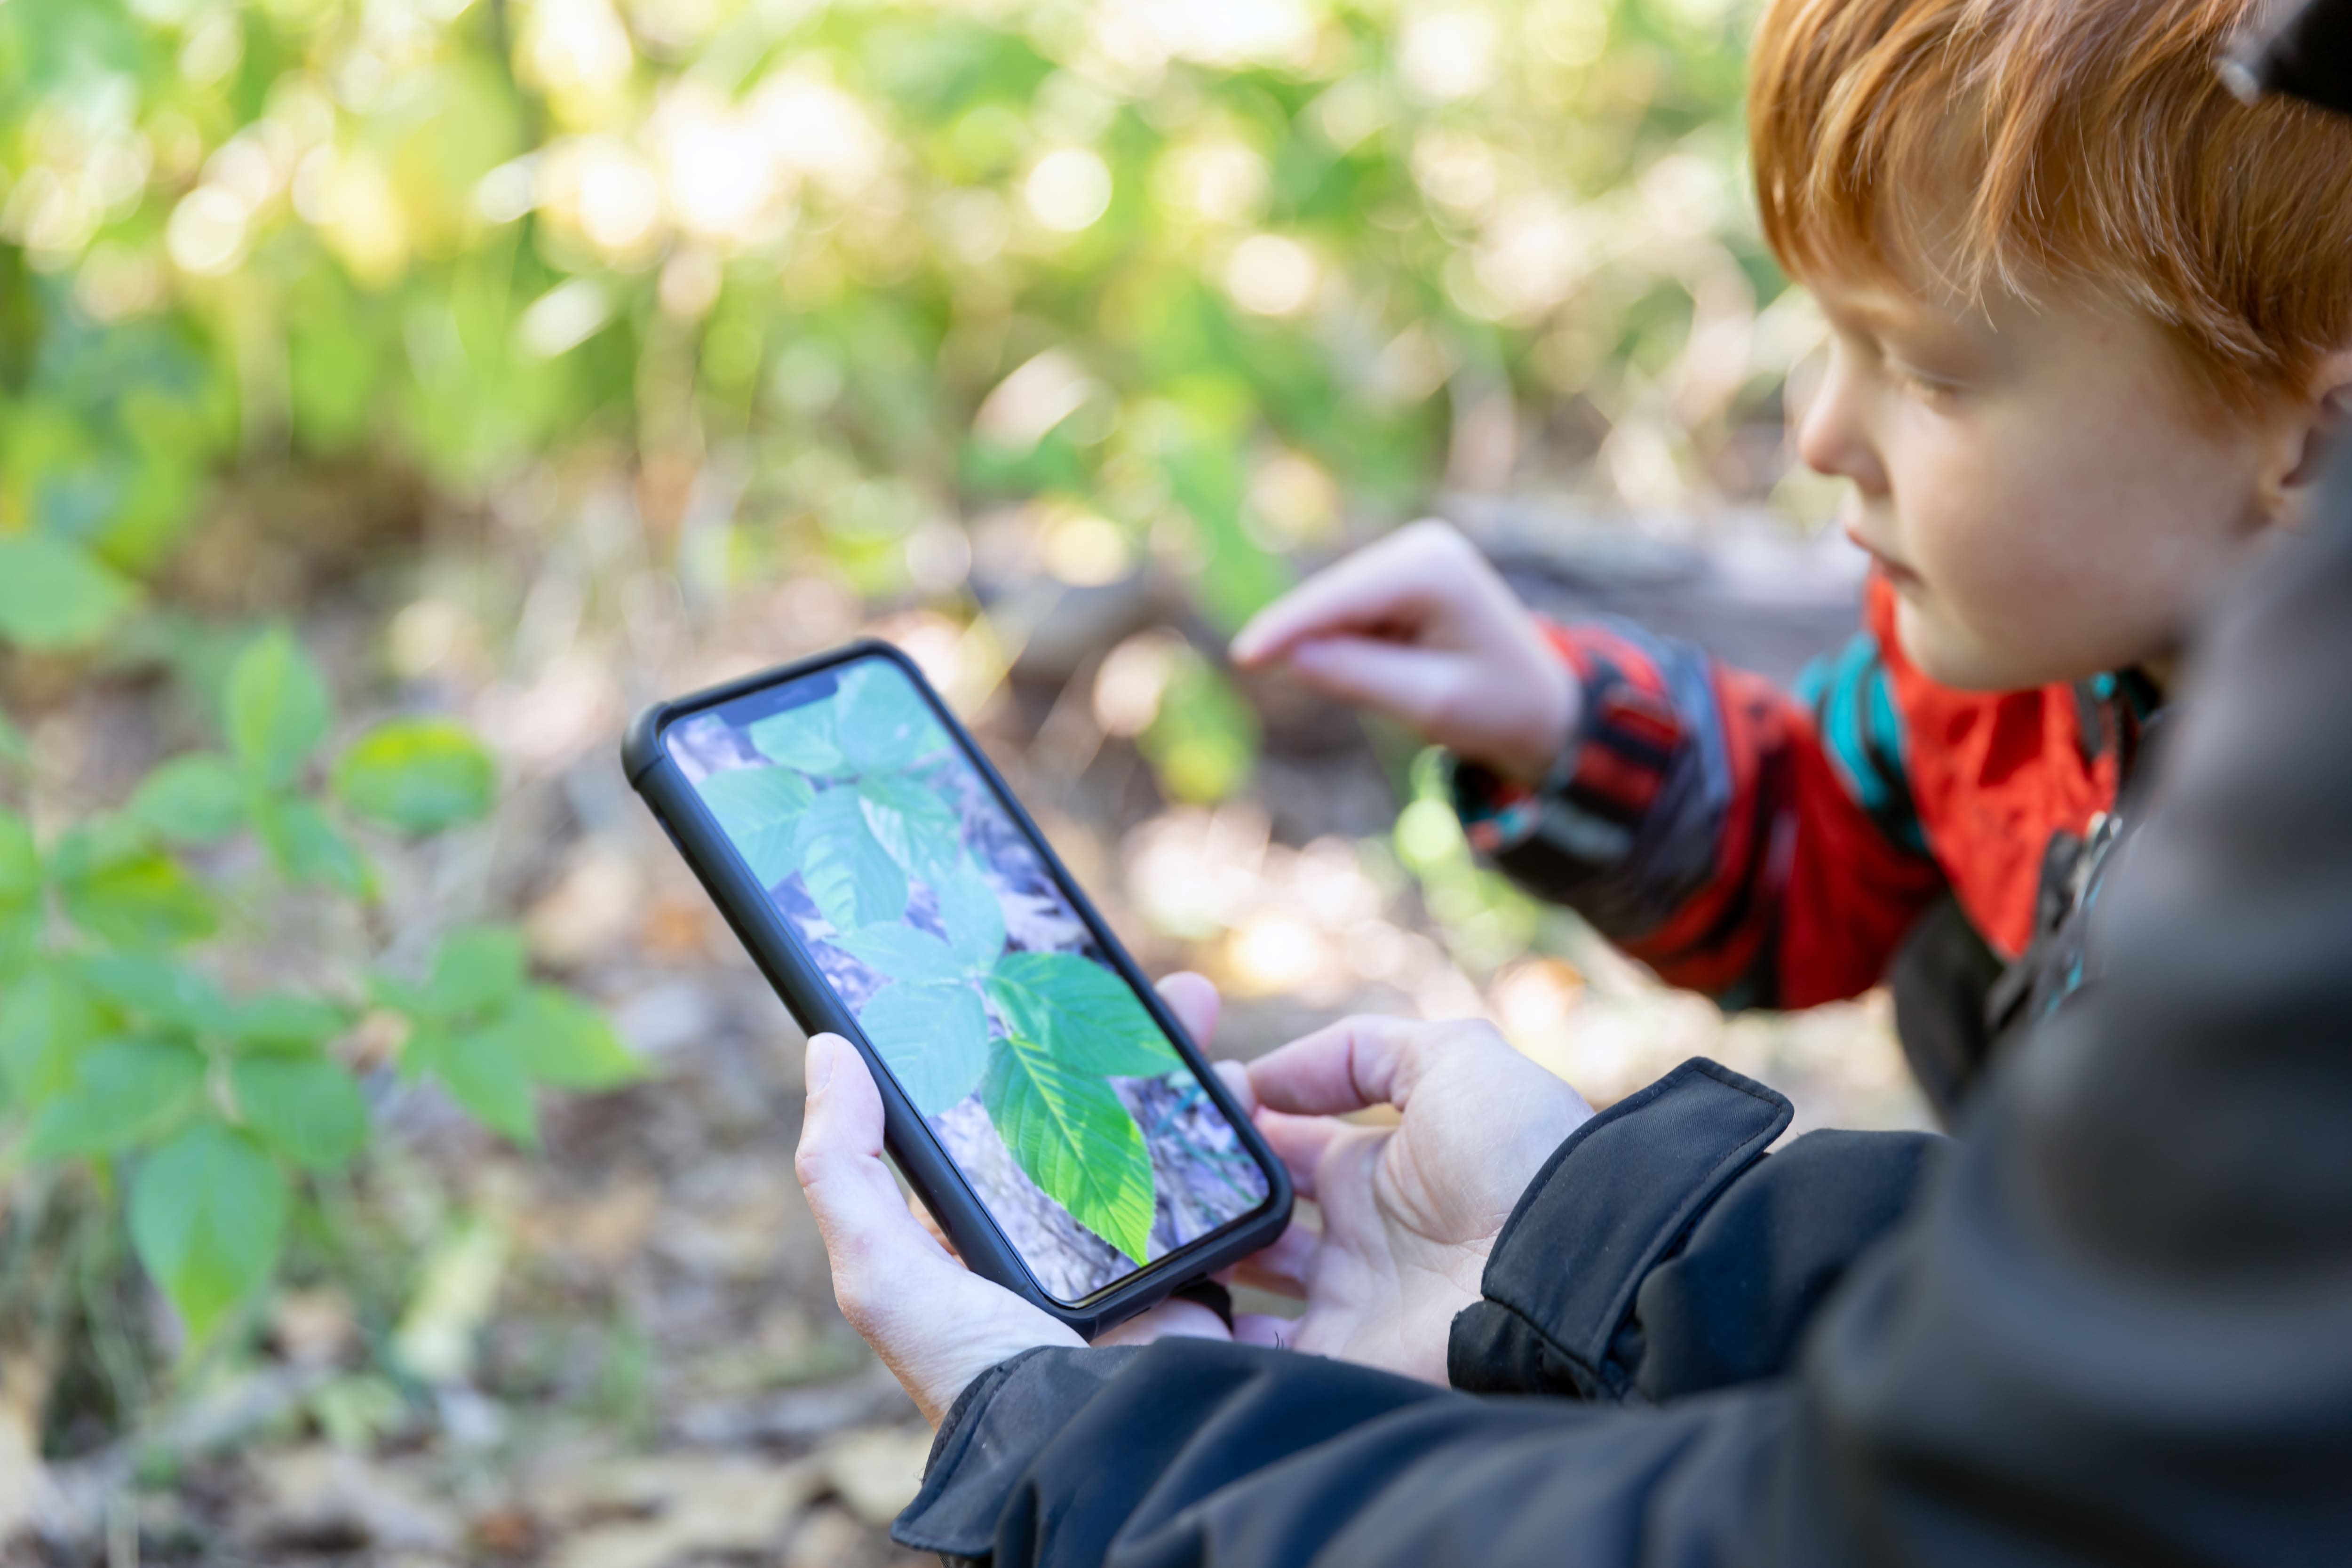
x=1195 y=1001
x=1348 y=1066
x=1234 y=1075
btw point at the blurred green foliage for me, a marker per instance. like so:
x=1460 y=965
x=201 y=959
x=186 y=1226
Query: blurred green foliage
x=116 y=1050
x=1190 y=281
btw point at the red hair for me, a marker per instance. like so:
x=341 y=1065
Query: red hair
x=2008 y=142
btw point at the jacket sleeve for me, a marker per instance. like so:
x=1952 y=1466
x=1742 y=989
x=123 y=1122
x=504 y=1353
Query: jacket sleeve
x=1661 y=1252
x=2109 y=1331
x=1755 y=845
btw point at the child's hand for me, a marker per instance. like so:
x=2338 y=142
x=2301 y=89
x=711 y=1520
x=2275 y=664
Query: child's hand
x=1421 y=627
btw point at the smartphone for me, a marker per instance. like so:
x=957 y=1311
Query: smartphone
x=1038 y=1097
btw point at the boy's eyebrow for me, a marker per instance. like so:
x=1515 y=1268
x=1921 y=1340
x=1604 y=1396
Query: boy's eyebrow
x=1867 y=310
x=1870 y=308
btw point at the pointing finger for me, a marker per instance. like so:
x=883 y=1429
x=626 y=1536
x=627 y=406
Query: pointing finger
x=1380 y=583
x=1415 y=684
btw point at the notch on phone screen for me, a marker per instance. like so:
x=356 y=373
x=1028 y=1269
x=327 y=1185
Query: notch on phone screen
x=931 y=914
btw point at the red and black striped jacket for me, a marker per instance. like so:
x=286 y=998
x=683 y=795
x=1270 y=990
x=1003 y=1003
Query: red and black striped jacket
x=1779 y=848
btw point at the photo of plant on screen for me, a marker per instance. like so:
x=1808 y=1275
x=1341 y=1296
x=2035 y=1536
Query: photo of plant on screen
x=1060 y=1098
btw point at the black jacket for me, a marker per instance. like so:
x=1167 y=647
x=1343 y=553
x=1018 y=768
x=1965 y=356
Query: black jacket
x=2111 y=1324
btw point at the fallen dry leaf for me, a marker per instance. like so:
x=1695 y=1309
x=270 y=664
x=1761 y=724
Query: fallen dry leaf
x=827 y=1539
x=591 y=907
x=327 y=1497
x=688 y=1504
x=605 y=1228
x=24 y=1481
x=314 y=1328
x=878 y=1470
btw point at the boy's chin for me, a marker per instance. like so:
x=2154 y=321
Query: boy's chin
x=1950 y=656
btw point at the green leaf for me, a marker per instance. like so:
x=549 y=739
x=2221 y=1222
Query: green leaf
x=158 y=991
x=934 y=1039
x=123 y=1092
x=477 y=969
x=117 y=886
x=418 y=775
x=197 y=798
x=46 y=1018
x=20 y=892
x=283 y=1023
x=208 y=1216
x=399 y=995
x=308 y=849
x=20 y=938
x=15 y=749
x=306 y=1108
x=278 y=708
x=882 y=721
x=560 y=1039
x=851 y=877
x=902 y=952
x=56 y=596
x=1069 y=1132
x=420 y=1051
x=920 y=829
x=760 y=811
x=971 y=914
x=802 y=738
x=483 y=1073
x=1083 y=1011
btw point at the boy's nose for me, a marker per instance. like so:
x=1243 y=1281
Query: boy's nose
x=1831 y=438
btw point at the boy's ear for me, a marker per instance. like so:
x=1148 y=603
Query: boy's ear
x=2318 y=424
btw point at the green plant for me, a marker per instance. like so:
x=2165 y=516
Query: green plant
x=210 y=1111
x=490 y=1036
x=110 y=437
x=855 y=807
x=1310 y=241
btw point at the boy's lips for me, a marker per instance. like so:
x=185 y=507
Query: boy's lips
x=1900 y=575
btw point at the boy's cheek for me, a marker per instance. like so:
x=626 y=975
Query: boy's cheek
x=1922 y=645
x=1948 y=653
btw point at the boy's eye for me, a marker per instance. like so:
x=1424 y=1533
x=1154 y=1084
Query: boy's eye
x=1920 y=382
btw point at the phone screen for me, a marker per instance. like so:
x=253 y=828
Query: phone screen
x=936 y=919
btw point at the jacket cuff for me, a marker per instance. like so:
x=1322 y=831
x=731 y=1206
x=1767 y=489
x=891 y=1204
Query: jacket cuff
x=1586 y=813
x=1616 y=1200
x=991 y=1435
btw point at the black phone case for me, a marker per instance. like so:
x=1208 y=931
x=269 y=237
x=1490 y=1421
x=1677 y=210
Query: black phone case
x=776 y=948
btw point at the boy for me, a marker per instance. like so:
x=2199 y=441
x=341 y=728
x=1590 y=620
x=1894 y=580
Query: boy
x=2089 y=336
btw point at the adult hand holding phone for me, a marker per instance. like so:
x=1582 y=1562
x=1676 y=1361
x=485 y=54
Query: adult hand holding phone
x=1421 y=627
x=935 y=1324
x=1408 y=1212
